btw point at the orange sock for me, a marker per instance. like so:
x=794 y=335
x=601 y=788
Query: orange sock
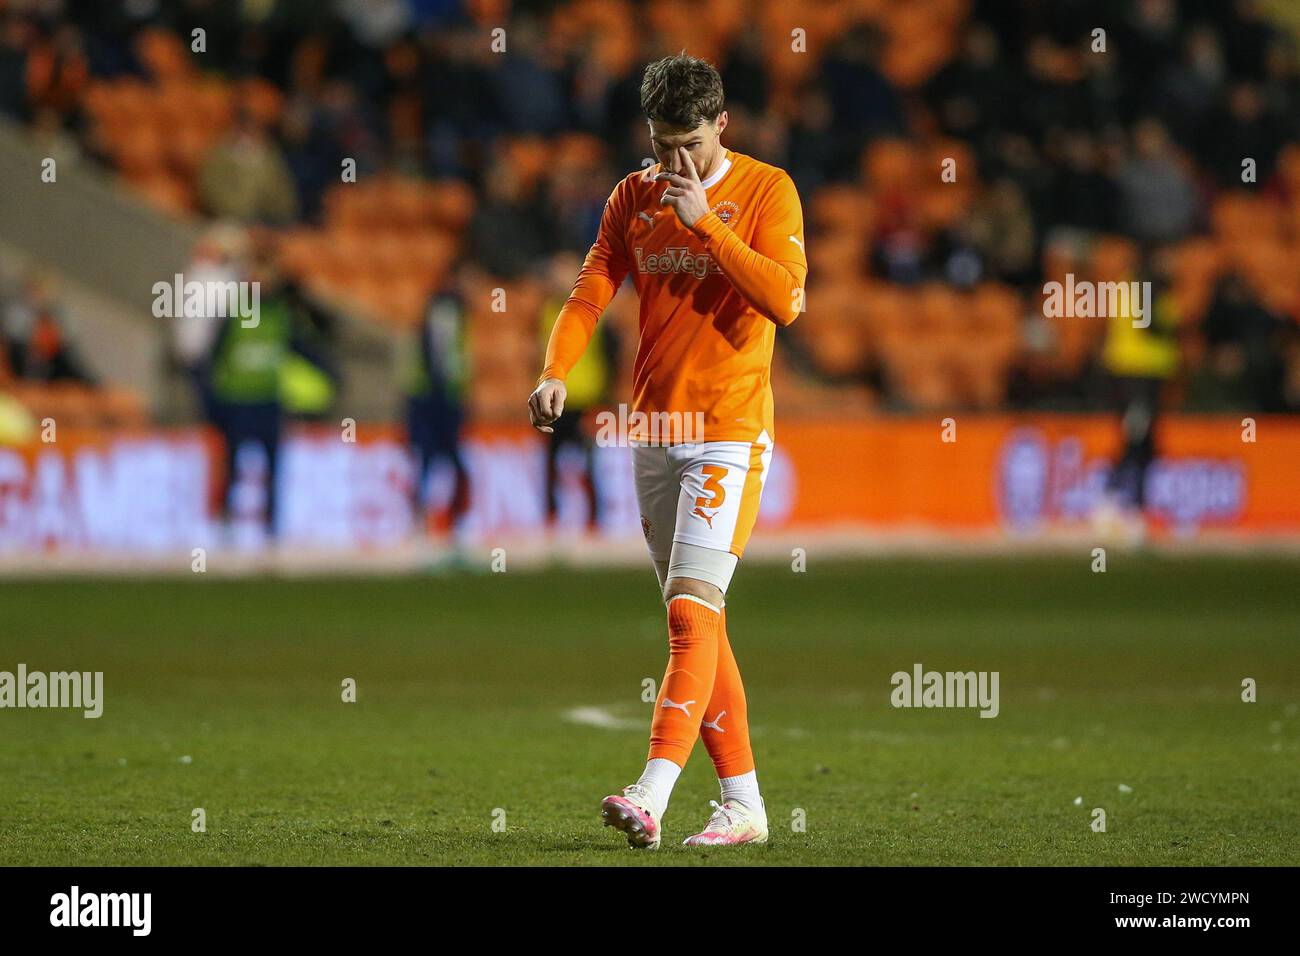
x=725 y=728
x=688 y=682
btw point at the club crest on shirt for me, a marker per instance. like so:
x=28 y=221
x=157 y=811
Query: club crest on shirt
x=726 y=210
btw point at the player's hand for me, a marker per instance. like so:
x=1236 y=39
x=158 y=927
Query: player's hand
x=685 y=193
x=546 y=404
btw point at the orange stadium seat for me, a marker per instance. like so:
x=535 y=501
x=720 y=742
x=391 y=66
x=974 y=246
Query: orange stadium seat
x=837 y=256
x=886 y=315
x=167 y=191
x=1242 y=216
x=918 y=42
x=681 y=25
x=163 y=54
x=261 y=100
x=614 y=22
x=142 y=152
x=214 y=102
x=836 y=333
x=992 y=340
x=403 y=301
x=1195 y=269
x=529 y=157
x=450 y=204
x=1288 y=169
x=187 y=145
x=891 y=165
x=842 y=208
x=1114 y=259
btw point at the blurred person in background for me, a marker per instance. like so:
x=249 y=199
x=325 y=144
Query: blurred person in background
x=1185 y=94
x=257 y=371
x=245 y=176
x=38 y=339
x=324 y=123
x=863 y=101
x=17 y=424
x=217 y=258
x=527 y=82
x=1158 y=198
x=1140 y=361
x=435 y=375
x=58 y=72
x=1001 y=226
x=1242 y=128
x=508 y=233
x=16 y=42
x=975 y=93
x=588 y=387
x=1246 y=346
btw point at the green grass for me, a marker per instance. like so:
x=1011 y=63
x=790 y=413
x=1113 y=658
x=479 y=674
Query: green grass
x=1130 y=677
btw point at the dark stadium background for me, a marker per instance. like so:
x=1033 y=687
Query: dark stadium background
x=485 y=138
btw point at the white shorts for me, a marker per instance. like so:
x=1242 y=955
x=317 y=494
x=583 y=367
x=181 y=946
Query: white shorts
x=704 y=494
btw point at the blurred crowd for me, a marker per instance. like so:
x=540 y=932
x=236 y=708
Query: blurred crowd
x=45 y=374
x=1069 y=137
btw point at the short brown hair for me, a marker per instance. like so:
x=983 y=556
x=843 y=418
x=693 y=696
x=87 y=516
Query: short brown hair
x=682 y=90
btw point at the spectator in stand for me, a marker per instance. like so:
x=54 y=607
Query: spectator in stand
x=245 y=177
x=1247 y=36
x=40 y=344
x=1085 y=196
x=526 y=82
x=1158 y=198
x=1242 y=129
x=974 y=95
x=323 y=124
x=1187 y=90
x=864 y=103
x=1281 y=89
x=1246 y=345
x=813 y=133
x=58 y=72
x=1001 y=226
x=17 y=39
x=508 y=233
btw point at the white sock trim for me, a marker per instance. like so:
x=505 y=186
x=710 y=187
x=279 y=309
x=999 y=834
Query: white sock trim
x=692 y=597
x=743 y=788
x=658 y=779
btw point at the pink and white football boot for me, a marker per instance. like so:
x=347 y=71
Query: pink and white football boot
x=634 y=816
x=731 y=825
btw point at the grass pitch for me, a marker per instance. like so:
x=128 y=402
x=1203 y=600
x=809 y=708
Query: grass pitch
x=1123 y=689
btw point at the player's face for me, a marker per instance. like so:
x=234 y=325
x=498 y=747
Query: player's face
x=702 y=143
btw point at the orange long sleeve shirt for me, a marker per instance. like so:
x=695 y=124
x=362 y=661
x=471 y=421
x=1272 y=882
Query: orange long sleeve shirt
x=711 y=296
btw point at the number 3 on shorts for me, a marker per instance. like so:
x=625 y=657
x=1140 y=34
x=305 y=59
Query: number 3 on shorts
x=713 y=475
